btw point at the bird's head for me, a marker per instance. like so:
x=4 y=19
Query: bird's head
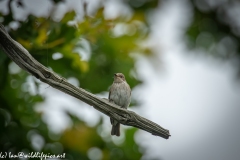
x=119 y=77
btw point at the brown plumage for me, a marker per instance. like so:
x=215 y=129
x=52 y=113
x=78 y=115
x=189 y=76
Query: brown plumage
x=120 y=94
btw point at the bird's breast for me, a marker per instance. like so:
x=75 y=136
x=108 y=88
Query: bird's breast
x=120 y=94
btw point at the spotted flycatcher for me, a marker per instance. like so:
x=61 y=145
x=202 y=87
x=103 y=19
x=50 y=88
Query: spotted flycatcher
x=120 y=94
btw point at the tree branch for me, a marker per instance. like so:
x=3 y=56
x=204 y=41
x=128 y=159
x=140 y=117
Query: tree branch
x=22 y=58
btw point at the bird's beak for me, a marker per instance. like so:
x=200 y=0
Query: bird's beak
x=115 y=74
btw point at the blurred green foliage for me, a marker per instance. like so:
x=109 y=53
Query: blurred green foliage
x=215 y=29
x=107 y=54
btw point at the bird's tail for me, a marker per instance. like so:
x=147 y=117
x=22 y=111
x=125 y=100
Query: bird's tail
x=115 y=129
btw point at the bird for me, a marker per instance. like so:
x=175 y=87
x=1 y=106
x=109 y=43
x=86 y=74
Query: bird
x=119 y=94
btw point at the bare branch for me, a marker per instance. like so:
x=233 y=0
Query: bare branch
x=22 y=58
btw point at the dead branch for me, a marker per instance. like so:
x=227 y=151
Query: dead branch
x=23 y=59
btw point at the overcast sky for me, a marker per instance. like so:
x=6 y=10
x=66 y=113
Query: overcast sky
x=196 y=97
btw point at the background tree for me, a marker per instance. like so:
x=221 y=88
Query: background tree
x=59 y=45
x=215 y=29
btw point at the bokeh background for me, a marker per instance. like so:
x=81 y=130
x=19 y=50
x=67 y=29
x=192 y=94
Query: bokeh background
x=180 y=57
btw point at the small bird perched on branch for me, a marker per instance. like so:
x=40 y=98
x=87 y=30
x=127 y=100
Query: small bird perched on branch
x=119 y=94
